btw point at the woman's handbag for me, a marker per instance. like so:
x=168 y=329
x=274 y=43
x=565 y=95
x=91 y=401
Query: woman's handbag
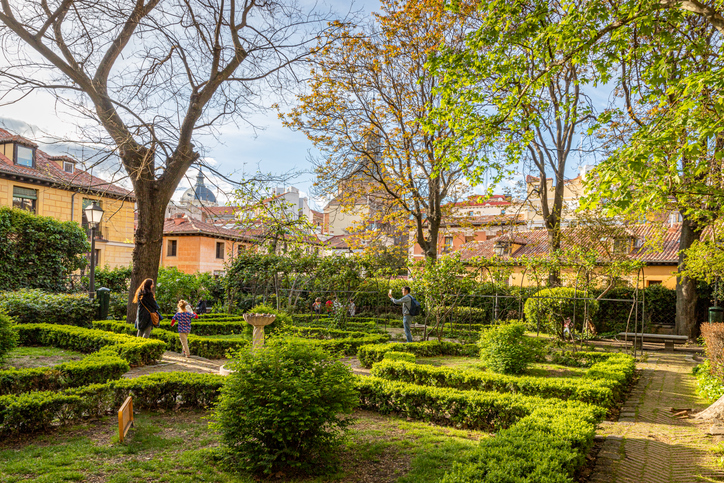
x=155 y=318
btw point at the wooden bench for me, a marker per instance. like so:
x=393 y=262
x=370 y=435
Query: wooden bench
x=668 y=339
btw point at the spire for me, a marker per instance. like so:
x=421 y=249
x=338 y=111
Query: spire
x=200 y=178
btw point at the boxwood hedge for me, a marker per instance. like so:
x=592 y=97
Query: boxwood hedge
x=135 y=350
x=42 y=410
x=98 y=367
x=369 y=354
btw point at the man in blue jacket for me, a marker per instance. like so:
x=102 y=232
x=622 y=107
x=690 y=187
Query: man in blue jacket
x=406 y=302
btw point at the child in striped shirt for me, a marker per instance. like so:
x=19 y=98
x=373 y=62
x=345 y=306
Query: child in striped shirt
x=183 y=316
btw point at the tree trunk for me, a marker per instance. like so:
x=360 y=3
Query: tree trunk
x=686 y=296
x=554 y=244
x=148 y=239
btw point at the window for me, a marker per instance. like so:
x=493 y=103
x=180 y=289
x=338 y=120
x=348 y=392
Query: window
x=68 y=167
x=471 y=213
x=448 y=243
x=654 y=282
x=25 y=199
x=24 y=156
x=469 y=239
x=220 y=250
x=621 y=245
x=171 y=251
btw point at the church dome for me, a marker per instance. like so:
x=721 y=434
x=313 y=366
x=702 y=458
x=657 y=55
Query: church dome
x=199 y=194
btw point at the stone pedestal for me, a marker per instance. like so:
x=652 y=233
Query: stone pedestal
x=259 y=321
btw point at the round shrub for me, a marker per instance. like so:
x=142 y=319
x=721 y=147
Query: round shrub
x=285 y=408
x=549 y=308
x=505 y=348
x=8 y=337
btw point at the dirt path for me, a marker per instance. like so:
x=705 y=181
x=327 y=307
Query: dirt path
x=649 y=442
x=173 y=361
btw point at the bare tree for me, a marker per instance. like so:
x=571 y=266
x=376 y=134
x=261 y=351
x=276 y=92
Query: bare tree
x=150 y=76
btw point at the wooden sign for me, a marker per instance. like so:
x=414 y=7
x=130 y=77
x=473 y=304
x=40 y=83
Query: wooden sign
x=125 y=418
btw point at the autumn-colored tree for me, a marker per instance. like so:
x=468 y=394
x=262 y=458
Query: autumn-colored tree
x=368 y=96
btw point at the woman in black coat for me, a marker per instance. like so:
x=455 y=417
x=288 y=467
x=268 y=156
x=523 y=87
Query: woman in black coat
x=146 y=304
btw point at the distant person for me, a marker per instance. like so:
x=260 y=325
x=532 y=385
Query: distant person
x=317 y=306
x=201 y=306
x=328 y=305
x=184 y=315
x=146 y=306
x=351 y=307
x=406 y=302
x=567 y=328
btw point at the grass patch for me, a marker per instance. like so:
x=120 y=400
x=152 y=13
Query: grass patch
x=179 y=447
x=457 y=362
x=30 y=357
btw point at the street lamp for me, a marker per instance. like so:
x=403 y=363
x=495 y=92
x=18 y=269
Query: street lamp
x=94 y=215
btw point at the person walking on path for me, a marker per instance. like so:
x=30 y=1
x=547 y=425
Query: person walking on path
x=183 y=317
x=146 y=305
x=406 y=302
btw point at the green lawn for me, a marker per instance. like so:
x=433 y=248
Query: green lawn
x=28 y=357
x=179 y=447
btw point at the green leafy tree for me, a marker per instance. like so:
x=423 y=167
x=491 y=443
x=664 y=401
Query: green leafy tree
x=39 y=251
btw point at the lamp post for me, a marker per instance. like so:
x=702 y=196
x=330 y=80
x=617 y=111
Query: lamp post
x=94 y=215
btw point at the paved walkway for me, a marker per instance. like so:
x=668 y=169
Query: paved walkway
x=174 y=361
x=653 y=441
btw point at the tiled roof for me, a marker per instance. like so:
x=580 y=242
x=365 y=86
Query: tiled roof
x=337 y=242
x=482 y=220
x=192 y=226
x=662 y=246
x=47 y=170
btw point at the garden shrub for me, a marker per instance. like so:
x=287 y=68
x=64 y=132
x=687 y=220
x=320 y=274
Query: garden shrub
x=708 y=386
x=549 y=307
x=369 y=354
x=98 y=367
x=39 y=251
x=324 y=333
x=42 y=410
x=8 y=337
x=284 y=407
x=487 y=411
x=713 y=335
x=589 y=391
x=397 y=356
x=38 y=307
x=506 y=349
x=546 y=447
x=136 y=350
x=462 y=315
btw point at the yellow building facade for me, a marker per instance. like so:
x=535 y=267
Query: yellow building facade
x=54 y=186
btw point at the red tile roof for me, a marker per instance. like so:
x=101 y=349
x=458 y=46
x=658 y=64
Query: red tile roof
x=660 y=244
x=192 y=226
x=47 y=170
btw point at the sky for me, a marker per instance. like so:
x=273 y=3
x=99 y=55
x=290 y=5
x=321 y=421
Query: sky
x=239 y=150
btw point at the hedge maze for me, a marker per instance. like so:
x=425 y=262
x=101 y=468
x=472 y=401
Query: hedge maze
x=544 y=426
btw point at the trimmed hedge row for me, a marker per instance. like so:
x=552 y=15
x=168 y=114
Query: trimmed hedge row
x=548 y=446
x=41 y=410
x=348 y=346
x=538 y=440
x=137 y=351
x=198 y=345
x=487 y=411
x=98 y=367
x=36 y=306
x=370 y=327
x=324 y=333
x=368 y=355
x=586 y=390
x=197 y=327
